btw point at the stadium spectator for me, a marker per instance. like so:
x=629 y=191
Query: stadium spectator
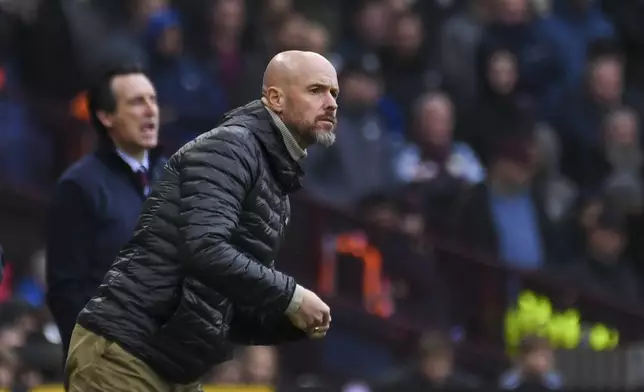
x=503 y=216
x=534 y=368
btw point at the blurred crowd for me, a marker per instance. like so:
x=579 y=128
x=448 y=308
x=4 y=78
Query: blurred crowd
x=511 y=125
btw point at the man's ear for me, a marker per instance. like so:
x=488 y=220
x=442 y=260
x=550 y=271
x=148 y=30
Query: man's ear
x=275 y=99
x=105 y=118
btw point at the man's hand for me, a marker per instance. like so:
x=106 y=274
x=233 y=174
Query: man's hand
x=312 y=316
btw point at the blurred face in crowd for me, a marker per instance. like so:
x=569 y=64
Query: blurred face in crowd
x=606 y=245
x=260 y=365
x=170 y=43
x=514 y=174
x=606 y=79
x=134 y=124
x=292 y=33
x=590 y=212
x=382 y=215
x=512 y=12
x=373 y=23
x=435 y=120
x=408 y=35
x=229 y=16
x=317 y=39
x=622 y=128
x=622 y=148
x=360 y=90
x=538 y=361
x=502 y=72
x=438 y=367
x=277 y=8
x=12 y=337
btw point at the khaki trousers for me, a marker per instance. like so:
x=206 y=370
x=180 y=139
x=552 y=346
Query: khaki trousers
x=95 y=364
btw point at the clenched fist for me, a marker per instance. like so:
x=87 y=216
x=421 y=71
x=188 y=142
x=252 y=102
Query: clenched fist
x=312 y=315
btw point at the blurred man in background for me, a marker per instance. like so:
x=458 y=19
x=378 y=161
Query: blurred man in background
x=97 y=201
x=199 y=272
x=534 y=368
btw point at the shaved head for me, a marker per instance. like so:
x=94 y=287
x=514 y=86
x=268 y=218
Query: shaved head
x=302 y=88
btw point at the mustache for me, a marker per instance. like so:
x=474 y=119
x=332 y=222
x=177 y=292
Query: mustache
x=330 y=118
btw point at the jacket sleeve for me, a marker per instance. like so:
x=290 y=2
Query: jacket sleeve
x=216 y=175
x=250 y=327
x=68 y=248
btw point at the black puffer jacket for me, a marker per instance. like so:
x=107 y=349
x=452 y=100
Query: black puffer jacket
x=198 y=273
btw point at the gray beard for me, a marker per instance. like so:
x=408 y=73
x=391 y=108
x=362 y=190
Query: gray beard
x=325 y=139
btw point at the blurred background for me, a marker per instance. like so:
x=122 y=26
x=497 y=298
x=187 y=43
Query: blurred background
x=479 y=221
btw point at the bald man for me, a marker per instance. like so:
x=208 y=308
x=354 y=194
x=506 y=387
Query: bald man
x=198 y=273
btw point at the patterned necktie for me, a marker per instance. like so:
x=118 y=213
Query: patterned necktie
x=144 y=182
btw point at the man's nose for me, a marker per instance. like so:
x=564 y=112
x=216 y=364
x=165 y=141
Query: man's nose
x=331 y=103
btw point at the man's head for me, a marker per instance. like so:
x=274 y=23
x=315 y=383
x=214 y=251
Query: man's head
x=302 y=89
x=621 y=127
x=434 y=114
x=228 y=16
x=381 y=211
x=290 y=33
x=621 y=138
x=165 y=34
x=605 y=239
x=606 y=78
x=371 y=23
x=317 y=39
x=514 y=162
x=535 y=356
x=502 y=73
x=408 y=34
x=123 y=108
x=361 y=85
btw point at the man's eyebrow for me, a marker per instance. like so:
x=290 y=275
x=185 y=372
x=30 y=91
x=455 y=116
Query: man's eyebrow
x=323 y=85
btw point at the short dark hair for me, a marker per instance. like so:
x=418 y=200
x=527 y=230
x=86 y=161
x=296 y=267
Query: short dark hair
x=100 y=96
x=533 y=343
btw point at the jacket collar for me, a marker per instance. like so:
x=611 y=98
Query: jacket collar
x=257 y=119
x=106 y=152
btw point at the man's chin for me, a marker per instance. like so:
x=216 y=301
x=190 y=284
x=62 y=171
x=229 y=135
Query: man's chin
x=149 y=144
x=325 y=138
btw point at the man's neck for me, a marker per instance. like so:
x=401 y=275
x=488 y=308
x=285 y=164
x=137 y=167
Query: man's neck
x=134 y=152
x=300 y=142
x=298 y=138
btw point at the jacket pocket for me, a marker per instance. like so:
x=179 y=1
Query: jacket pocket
x=192 y=340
